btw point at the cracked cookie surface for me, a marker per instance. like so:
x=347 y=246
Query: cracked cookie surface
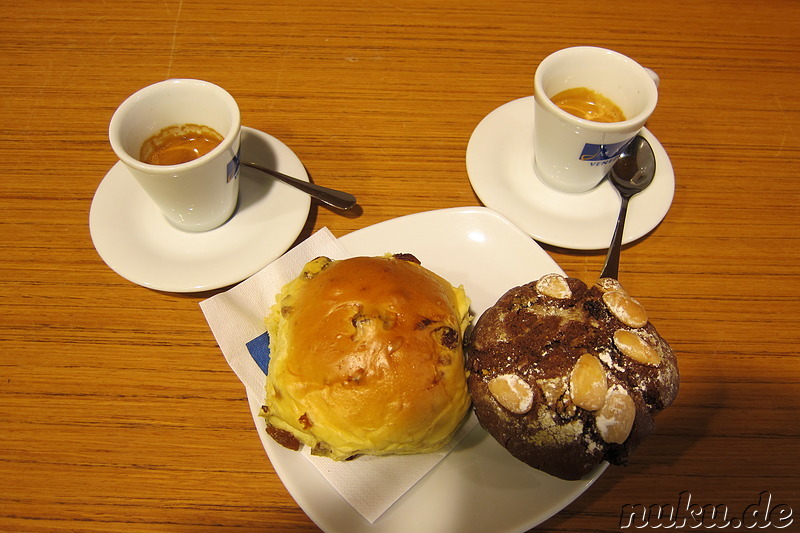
x=588 y=362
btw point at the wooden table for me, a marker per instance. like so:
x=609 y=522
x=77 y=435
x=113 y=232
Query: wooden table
x=117 y=410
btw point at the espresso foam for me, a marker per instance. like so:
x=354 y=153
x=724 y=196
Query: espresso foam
x=178 y=144
x=589 y=105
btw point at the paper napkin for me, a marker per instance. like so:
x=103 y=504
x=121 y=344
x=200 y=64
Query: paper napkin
x=236 y=317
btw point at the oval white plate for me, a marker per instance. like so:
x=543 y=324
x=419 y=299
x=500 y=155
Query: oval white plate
x=136 y=240
x=501 y=169
x=479 y=487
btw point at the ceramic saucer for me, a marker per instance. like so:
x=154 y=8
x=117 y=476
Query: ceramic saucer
x=501 y=170
x=136 y=240
x=479 y=486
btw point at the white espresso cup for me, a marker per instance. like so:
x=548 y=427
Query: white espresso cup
x=573 y=154
x=197 y=195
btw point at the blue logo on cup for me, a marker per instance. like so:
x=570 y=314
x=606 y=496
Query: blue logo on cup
x=602 y=152
x=233 y=166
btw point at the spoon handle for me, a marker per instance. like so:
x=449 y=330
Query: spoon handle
x=332 y=197
x=611 y=267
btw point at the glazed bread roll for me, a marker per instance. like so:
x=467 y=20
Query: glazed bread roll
x=566 y=376
x=367 y=358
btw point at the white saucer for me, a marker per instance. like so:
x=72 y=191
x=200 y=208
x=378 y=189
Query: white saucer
x=136 y=240
x=501 y=169
x=479 y=486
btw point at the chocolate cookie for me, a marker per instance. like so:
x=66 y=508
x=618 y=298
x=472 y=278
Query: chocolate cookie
x=566 y=376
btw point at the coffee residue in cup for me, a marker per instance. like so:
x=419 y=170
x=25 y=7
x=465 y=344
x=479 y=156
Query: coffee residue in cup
x=589 y=105
x=178 y=144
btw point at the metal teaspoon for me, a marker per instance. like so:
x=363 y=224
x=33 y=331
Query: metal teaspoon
x=631 y=174
x=332 y=197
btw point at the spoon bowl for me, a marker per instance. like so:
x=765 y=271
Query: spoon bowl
x=631 y=174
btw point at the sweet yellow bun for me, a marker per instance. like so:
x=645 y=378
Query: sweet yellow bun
x=366 y=358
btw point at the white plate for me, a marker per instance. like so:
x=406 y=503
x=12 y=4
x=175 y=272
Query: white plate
x=136 y=240
x=479 y=486
x=501 y=169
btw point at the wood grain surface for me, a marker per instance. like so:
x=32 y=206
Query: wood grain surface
x=118 y=411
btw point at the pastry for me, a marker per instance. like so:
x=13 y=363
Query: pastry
x=366 y=357
x=566 y=376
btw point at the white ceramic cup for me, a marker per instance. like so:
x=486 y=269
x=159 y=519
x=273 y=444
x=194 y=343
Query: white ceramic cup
x=573 y=154
x=198 y=195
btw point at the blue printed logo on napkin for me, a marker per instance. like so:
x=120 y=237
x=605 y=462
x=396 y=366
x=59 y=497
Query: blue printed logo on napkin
x=602 y=152
x=259 y=351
